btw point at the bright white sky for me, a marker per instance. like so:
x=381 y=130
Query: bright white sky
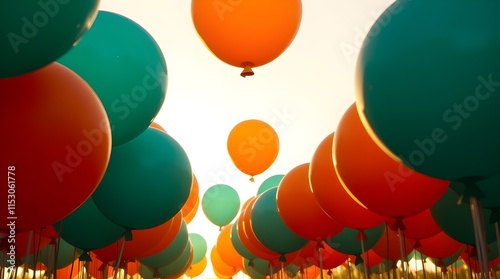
x=302 y=94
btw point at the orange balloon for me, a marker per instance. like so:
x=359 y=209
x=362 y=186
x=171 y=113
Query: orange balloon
x=439 y=246
x=190 y=216
x=193 y=198
x=220 y=266
x=226 y=250
x=157 y=126
x=299 y=209
x=253 y=146
x=247 y=33
x=379 y=182
x=248 y=238
x=331 y=195
x=197 y=269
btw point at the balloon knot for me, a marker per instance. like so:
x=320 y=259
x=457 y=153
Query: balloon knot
x=127 y=235
x=85 y=257
x=361 y=236
x=251 y=179
x=250 y=263
x=399 y=224
x=320 y=245
x=156 y=274
x=358 y=260
x=394 y=265
x=282 y=258
x=247 y=69
x=329 y=273
x=417 y=244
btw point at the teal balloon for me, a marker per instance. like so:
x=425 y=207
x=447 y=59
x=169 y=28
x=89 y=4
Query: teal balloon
x=179 y=266
x=87 y=228
x=456 y=219
x=269 y=183
x=221 y=204
x=259 y=266
x=416 y=255
x=270 y=229
x=171 y=252
x=147 y=181
x=36 y=33
x=427 y=84
x=238 y=245
x=486 y=190
x=127 y=70
x=200 y=247
x=66 y=254
x=347 y=241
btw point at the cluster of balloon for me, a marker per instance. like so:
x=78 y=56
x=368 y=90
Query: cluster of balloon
x=246 y=34
x=428 y=113
x=253 y=146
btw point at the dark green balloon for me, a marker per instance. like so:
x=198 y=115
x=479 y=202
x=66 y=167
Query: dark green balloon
x=428 y=86
x=35 y=33
x=259 y=267
x=456 y=219
x=220 y=204
x=171 y=252
x=487 y=190
x=126 y=68
x=346 y=241
x=87 y=228
x=270 y=182
x=238 y=245
x=270 y=229
x=147 y=181
x=180 y=264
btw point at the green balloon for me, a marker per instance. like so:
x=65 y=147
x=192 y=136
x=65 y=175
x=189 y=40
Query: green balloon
x=269 y=183
x=347 y=242
x=200 y=247
x=221 y=204
x=238 y=245
x=486 y=190
x=147 y=181
x=126 y=68
x=456 y=219
x=66 y=254
x=270 y=229
x=171 y=252
x=416 y=255
x=180 y=265
x=87 y=228
x=258 y=267
x=428 y=84
x=36 y=33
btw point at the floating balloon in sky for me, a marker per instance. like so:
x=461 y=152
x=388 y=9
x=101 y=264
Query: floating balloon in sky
x=247 y=34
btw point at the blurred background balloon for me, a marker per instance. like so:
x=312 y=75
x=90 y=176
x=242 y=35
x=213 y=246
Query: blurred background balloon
x=199 y=245
x=161 y=159
x=36 y=33
x=426 y=93
x=126 y=68
x=253 y=146
x=234 y=31
x=61 y=148
x=221 y=204
x=226 y=249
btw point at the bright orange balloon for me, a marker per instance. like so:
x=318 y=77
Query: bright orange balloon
x=157 y=126
x=226 y=250
x=377 y=181
x=331 y=195
x=190 y=216
x=220 y=266
x=193 y=198
x=253 y=146
x=247 y=33
x=197 y=269
x=299 y=209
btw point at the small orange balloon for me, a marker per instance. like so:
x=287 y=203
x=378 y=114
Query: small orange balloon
x=220 y=266
x=196 y=269
x=247 y=33
x=193 y=198
x=253 y=146
x=226 y=250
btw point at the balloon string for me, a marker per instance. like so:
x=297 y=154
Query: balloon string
x=387 y=249
x=365 y=254
x=401 y=251
x=119 y=259
x=423 y=264
x=497 y=232
x=349 y=267
x=282 y=270
x=479 y=234
x=320 y=259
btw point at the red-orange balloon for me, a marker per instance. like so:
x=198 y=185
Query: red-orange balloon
x=190 y=216
x=248 y=238
x=439 y=246
x=417 y=226
x=388 y=246
x=157 y=126
x=193 y=198
x=299 y=209
x=55 y=146
x=328 y=259
x=226 y=250
x=247 y=33
x=331 y=195
x=253 y=146
x=379 y=182
x=220 y=266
